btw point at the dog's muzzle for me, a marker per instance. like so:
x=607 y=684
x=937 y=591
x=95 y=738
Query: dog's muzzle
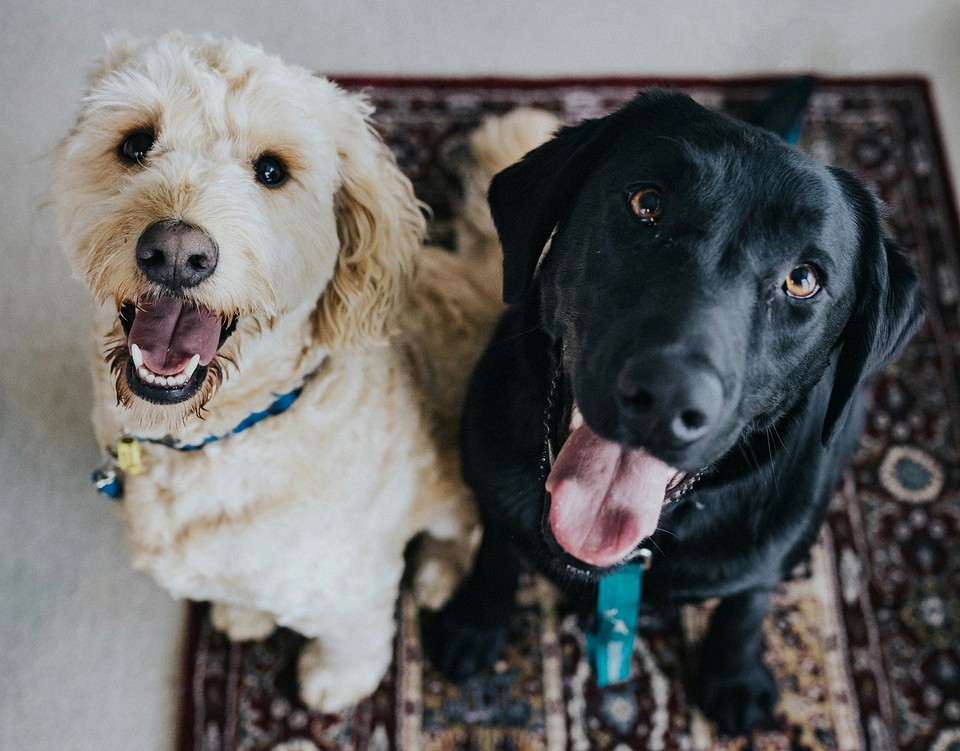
x=171 y=340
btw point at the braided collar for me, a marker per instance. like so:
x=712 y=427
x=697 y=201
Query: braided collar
x=280 y=404
x=125 y=455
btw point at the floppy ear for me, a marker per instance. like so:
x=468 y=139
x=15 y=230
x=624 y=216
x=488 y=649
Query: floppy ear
x=528 y=199
x=380 y=228
x=888 y=309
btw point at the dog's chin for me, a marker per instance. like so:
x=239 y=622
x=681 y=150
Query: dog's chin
x=570 y=567
x=162 y=395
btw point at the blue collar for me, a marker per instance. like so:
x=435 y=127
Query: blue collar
x=125 y=455
x=279 y=405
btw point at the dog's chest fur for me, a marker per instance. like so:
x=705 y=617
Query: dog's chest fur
x=256 y=517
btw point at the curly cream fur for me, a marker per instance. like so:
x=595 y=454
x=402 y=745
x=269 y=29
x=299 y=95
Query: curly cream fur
x=304 y=519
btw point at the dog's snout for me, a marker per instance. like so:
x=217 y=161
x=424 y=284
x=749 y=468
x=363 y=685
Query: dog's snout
x=665 y=400
x=176 y=255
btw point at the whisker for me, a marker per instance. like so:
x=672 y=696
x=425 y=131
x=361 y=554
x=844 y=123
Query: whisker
x=773 y=464
x=778 y=436
x=746 y=450
x=518 y=335
x=654 y=543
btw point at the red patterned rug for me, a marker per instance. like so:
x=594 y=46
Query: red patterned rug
x=865 y=642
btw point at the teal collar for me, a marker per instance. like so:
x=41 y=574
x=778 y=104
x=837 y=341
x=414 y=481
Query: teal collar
x=610 y=642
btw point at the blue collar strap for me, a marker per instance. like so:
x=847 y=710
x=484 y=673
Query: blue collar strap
x=124 y=456
x=279 y=405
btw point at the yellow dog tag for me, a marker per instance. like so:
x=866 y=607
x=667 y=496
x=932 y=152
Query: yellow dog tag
x=129 y=455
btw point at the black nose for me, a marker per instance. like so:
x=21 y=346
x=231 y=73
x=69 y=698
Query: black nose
x=176 y=255
x=668 y=399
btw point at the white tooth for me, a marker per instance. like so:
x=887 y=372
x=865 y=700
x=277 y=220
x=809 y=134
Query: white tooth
x=151 y=378
x=143 y=372
x=576 y=420
x=163 y=381
x=191 y=366
x=180 y=380
x=137 y=356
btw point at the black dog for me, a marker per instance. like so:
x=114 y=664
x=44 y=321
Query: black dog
x=696 y=340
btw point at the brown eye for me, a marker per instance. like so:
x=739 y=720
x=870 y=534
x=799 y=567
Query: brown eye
x=802 y=282
x=645 y=203
x=136 y=146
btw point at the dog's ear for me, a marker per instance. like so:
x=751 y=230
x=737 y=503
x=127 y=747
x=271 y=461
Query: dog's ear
x=380 y=227
x=888 y=309
x=528 y=199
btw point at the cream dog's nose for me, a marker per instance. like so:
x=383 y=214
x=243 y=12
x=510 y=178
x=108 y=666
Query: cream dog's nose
x=176 y=255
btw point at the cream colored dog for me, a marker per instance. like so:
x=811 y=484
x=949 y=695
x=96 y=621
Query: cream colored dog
x=279 y=363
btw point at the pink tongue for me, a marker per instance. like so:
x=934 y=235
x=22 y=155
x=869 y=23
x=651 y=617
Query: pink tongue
x=604 y=498
x=169 y=332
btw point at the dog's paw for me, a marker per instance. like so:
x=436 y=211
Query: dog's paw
x=460 y=649
x=240 y=623
x=331 y=688
x=440 y=563
x=434 y=582
x=737 y=701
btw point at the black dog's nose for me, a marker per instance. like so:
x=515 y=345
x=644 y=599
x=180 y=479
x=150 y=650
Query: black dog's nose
x=667 y=400
x=176 y=255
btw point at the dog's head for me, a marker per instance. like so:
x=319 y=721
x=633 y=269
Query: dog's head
x=205 y=191
x=703 y=276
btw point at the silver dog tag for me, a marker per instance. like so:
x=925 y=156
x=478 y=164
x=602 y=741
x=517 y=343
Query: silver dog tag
x=108 y=479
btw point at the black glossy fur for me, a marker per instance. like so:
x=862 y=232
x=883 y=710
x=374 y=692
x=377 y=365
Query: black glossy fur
x=700 y=292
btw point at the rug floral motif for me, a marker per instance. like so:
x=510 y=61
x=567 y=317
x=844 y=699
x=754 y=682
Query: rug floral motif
x=864 y=640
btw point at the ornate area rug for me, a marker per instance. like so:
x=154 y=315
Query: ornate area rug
x=865 y=641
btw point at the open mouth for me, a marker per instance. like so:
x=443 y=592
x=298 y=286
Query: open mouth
x=603 y=499
x=171 y=342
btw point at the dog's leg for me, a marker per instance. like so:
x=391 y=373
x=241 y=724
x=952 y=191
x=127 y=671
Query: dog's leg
x=240 y=623
x=352 y=649
x=439 y=565
x=469 y=634
x=735 y=689
x=331 y=685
